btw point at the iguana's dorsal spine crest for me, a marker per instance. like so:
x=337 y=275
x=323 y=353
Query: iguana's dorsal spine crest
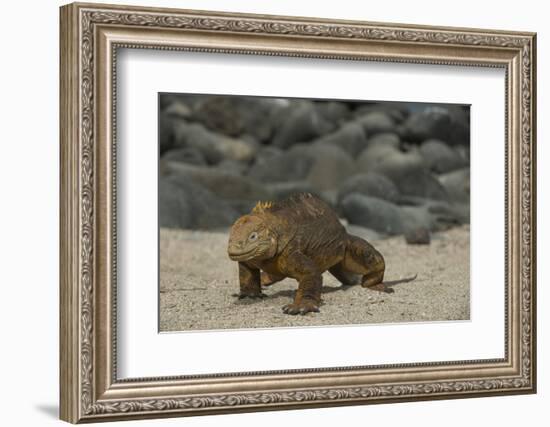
x=262 y=207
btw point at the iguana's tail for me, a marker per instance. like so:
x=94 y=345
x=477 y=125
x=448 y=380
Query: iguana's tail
x=391 y=283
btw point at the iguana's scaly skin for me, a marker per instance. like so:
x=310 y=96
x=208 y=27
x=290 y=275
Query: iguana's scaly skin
x=300 y=238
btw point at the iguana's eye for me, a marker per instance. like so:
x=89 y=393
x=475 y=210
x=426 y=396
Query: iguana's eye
x=253 y=236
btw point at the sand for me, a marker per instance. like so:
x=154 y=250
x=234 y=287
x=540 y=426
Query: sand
x=198 y=284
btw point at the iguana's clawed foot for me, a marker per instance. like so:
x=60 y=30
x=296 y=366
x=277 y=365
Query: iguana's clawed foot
x=251 y=296
x=303 y=307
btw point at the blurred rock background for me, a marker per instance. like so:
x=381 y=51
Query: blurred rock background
x=389 y=168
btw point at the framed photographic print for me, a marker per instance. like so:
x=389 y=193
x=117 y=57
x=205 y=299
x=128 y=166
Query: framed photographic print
x=266 y=212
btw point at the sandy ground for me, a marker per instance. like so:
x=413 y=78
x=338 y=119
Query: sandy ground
x=198 y=284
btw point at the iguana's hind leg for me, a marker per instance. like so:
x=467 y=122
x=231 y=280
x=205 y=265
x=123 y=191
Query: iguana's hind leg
x=345 y=277
x=362 y=258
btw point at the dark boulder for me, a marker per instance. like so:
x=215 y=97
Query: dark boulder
x=282 y=190
x=214 y=147
x=299 y=122
x=370 y=184
x=447 y=123
x=457 y=185
x=223 y=184
x=185 y=204
x=238 y=115
x=334 y=112
x=371 y=212
x=406 y=169
x=189 y=155
x=323 y=166
x=440 y=158
x=418 y=236
x=376 y=122
x=166 y=132
x=350 y=137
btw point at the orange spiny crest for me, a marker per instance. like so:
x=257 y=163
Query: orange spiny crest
x=262 y=207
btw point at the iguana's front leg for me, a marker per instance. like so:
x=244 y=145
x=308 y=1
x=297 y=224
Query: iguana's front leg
x=305 y=271
x=249 y=280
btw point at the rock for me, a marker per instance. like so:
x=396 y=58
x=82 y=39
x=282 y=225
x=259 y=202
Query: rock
x=398 y=111
x=376 y=122
x=184 y=204
x=434 y=215
x=166 y=132
x=457 y=185
x=323 y=166
x=439 y=157
x=334 y=112
x=386 y=138
x=419 y=182
x=415 y=217
x=238 y=115
x=178 y=110
x=376 y=155
x=272 y=167
x=447 y=123
x=232 y=167
x=373 y=213
x=220 y=183
x=364 y=233
x=330 y=165
x=370 y=184
x=350 y=137
x=214 y=147
x=406 y=169
x=174 y=208
x=299 y=122
x=282 y=190
x=190 y=155
x=418 y=236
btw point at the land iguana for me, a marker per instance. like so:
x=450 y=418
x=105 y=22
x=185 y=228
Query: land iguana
x=300 y=237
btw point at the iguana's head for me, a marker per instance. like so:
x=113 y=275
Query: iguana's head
x=251 y=239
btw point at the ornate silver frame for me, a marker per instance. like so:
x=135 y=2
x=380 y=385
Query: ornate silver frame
x=90 y=36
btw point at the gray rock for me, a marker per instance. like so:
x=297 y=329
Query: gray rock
x=282 y=190
x=189 y=155
x=406 y=169
x=396 y=110
x=178 y=110
x=220 y=183
x=238 y=115
x=364 y=233
x=299 y=122
x=457 y=185
x=166 y=132
x=435 y=215
x=376 y=122
x=373 y=213
x=232 y=167
x=272 y=167
x=350 y=137
x=323 y=166
x=174 y=208
x=439 y=157
x=418 y=236
x=330 y=165
x=447 y=123
x=214 y=147
x=369 y=184
x=385 y=138
x=333 y=111
x=184 y=204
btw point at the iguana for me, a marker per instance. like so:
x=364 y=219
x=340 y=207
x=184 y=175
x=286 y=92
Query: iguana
x=300 y=237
